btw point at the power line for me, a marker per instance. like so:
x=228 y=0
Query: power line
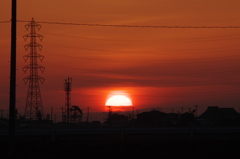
x=5 y=21
x=151 y=41
x=135 y=26
x=200 y=51
x=139 y=26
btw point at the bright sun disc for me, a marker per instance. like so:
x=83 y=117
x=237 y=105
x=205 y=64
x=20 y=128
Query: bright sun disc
x=118 y=100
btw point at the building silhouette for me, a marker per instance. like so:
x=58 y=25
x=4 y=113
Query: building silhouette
x=215 y=116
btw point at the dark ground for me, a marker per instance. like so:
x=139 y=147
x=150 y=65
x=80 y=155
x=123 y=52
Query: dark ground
x=123 y=149
x=102 y=146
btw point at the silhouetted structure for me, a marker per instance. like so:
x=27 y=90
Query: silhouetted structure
x=109 y=111
x=215 y=116
x=187 y=119
x=33 y=108
x=152 y=118
x=156 y=118
x=67 y=89
x=117 y=120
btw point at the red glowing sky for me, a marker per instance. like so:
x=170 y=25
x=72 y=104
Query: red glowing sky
x=159 y=68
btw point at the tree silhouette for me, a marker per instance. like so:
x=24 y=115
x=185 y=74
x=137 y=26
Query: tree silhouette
x=75 y=114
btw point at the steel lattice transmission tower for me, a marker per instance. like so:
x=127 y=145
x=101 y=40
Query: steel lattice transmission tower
x=33 y=108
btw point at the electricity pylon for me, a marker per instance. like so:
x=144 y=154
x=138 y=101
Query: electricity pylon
x=33 y=108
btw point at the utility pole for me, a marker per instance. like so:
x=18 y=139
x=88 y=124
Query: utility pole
x=182 y=109
x=137 y=112
x=132 y=112
x=63 y=115
x=109 y=111
x=1 y=113
x=52 y=113
x=87 y=120
x=33 y=108
x=12 y=99
x=196 y=109
x=55 y=118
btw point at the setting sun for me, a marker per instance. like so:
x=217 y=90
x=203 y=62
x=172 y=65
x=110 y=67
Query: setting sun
x=118 y=100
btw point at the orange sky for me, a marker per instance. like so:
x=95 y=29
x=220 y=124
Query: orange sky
x=164 y=69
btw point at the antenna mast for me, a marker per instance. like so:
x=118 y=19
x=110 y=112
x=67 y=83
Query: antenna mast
x=33 y=108
x=67 y=89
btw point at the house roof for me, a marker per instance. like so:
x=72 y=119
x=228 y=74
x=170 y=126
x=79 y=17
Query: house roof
x=216 y=112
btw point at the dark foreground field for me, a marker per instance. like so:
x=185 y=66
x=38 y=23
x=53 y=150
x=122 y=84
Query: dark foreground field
x=137 y=149
x=154 y=143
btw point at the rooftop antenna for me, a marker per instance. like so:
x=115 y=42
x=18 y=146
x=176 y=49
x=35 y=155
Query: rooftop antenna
x=67 y=89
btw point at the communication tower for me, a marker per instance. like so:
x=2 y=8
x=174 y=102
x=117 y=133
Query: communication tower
x=67 y=89
x=33 y=108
